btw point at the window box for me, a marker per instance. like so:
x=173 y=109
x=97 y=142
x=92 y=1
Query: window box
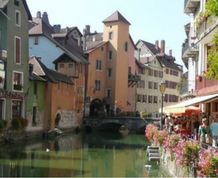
x=18 y=87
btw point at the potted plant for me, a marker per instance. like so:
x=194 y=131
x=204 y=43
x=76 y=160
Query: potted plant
x=18 y=86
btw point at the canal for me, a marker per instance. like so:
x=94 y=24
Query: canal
x=79 y=155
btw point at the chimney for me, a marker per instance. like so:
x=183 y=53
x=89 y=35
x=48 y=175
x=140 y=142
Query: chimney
x=45 y=18
x=84 y=39
x=56 y=28
x=38 y=15
x=156 y=44
x=87 y=29
x=170 y=52
x=162 y=48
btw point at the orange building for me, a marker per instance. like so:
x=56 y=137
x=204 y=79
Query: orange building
x=109 y=54
x=58 y=97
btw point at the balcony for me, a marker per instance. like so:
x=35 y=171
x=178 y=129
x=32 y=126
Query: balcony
x=205 y=85
x=189 y=52
x=190 y=6
x=206 y=29
x=133 y=79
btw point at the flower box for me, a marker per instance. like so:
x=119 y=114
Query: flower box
x=18 y=87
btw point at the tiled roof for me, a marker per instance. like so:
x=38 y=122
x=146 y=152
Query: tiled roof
x=140 y=64
x=94 y=37
x=35 y=77
x=3 y=3
x=48 y=74
x=72 y=49
x=151 y=47
x=165 y=60
x=90 y=46
x=116 y=16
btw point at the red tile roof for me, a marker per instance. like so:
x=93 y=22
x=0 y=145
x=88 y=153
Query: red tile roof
x=116 y=16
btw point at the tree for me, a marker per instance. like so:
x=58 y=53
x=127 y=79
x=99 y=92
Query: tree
x=211 y=8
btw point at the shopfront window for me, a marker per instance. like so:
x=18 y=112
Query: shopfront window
x=16 y=108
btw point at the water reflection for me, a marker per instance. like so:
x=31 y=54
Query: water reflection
x=78 y=155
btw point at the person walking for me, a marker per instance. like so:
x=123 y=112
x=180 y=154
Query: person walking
x=203 y=130
x=214 y=132
x=196 y=125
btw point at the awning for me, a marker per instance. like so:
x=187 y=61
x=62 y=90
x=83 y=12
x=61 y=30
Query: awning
x=180 y=107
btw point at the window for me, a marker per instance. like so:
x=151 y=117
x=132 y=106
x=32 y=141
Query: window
x=110 y=35
x=109 y=55
x=126 y=47
x=61 y=66
x=109 y=72
x=16 y=2
x=155 y=99
x=102 y=48
x=108 y=92
x=138 y=97
x=149 y=99
x=17 y=81
x=17 y=50
x=141 y=71
x=36 y=40
x=141 y=84
x=166 y=98
x=167 y=71
x=35 y=88
x=70 y=66
x=98 y=65
x=144 y=99
x=155 y=85
x=97 y=85
x=160 y=74
x=150 y=72
x=150 y=85
x=17 y=18
x=16 y=108
x=155 y=73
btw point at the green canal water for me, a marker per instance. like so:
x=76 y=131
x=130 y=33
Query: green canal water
x=79 y=155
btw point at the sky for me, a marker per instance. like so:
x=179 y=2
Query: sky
x=150 y=20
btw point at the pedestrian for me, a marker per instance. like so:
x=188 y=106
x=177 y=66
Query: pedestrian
x=214 y=132
x=196 y=125
x=203 y=130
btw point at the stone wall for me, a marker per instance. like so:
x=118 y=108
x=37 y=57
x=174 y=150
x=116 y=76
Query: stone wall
x=169 y=165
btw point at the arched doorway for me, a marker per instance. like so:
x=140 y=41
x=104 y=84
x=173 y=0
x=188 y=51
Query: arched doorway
x=96 y=107
x=57 y=119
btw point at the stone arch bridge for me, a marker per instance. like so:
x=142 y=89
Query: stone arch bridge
x=133 y=124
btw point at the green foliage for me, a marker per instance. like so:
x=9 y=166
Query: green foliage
x=19 y=123
x=211 y=7
x=212 y=59
x=3 y=124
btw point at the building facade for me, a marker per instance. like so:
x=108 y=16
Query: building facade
x=14 y=65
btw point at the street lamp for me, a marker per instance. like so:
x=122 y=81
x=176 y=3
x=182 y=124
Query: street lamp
x=162 y=87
